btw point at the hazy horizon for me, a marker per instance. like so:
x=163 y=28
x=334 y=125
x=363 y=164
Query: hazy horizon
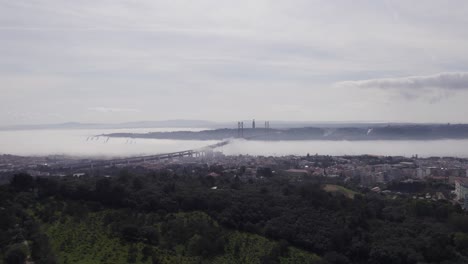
x=216 y=123
x=86 y=143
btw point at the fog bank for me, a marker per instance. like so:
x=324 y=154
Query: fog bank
x=457 y=148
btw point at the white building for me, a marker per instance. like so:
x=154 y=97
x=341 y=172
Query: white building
x=461 y=188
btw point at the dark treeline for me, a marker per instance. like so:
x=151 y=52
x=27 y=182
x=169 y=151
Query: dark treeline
x=367 y=229
x=20 y=233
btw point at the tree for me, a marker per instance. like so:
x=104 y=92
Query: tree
x=132 y=254
x=103 y=188
x=146 y=252
x=16 y=254
x=130 y=232
x=151 y=234
x=336 y=258
x=266 y=172
x=196 y=245
x=137 y=184
x=461 y=242
x=22 y=182
x=242 y=170
x=155 y=258
x=439 y=248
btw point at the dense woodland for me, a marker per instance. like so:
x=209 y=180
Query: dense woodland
x=162 y=217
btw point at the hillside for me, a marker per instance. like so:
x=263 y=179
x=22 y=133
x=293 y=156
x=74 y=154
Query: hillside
x=389 y=132
x=162 y=217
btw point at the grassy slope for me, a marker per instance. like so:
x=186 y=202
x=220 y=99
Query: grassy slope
x=86 y=242
x=89 y=242
x=337 y=188
x=252 y=247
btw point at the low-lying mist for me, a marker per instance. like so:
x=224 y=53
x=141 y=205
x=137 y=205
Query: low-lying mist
x=84 y=143
x=456 y=148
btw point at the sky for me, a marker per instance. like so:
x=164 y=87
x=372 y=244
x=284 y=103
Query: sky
x=114 y=61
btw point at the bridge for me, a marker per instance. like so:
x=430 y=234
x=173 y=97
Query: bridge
x=185 y=153
x=134 y=160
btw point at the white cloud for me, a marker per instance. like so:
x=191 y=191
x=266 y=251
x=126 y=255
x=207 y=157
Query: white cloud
x=433 y=87
x=446 y=80
x=228 y=60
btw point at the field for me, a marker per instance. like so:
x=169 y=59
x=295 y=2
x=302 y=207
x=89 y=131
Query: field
x=340 y=189
x=90 y=241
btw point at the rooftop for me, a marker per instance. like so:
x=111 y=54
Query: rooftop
x=462 y=181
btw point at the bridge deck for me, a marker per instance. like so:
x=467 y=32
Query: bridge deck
x=139 y=159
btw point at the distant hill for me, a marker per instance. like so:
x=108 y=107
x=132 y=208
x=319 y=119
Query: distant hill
x=387 y=132
x=139 y=124
x=185 y=123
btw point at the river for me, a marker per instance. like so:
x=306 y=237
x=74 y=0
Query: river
x=80 y=142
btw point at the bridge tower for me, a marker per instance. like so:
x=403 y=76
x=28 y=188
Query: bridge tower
x=267 y=127
x=240 y=129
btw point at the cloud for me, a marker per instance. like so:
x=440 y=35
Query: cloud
x=446 y=80
x=113 y=110
x=159 y=53
x=433 y=87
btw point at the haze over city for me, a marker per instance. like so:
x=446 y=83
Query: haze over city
x=120 y=61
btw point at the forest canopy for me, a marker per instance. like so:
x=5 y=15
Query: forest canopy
x=162 y=217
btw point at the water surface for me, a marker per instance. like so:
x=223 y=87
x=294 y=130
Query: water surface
x=81 y=142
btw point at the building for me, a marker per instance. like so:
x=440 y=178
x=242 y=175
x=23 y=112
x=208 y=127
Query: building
x=461 y=188
x=372 y=179
x=297 y=172
x=420 y=173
